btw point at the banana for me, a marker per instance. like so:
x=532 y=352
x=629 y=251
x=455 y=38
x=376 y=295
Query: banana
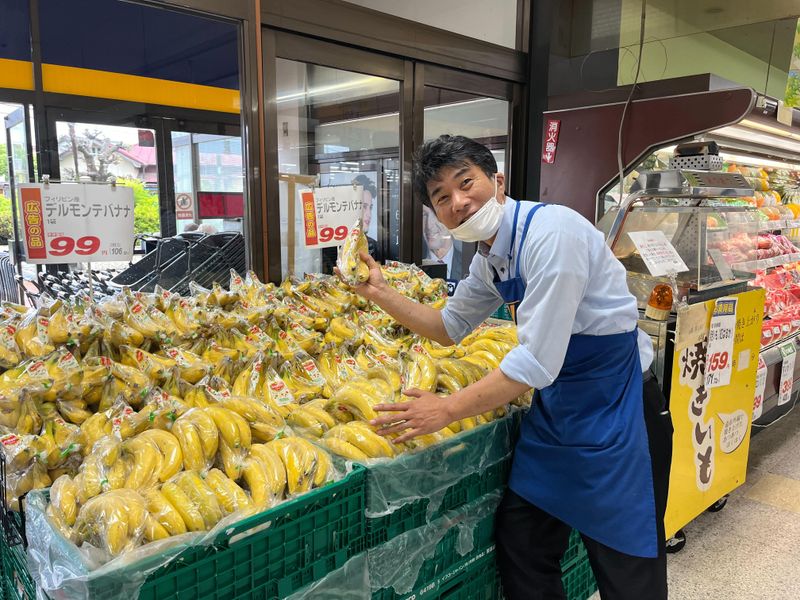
x=170 y=448
x=371 y=444
x=146 y=463
x=153 y=530
x=116 y=475
x=274 y=468
x=305 y=420
x=232 y=460
x=64 y=497
x=185 y=507
x=206 y=429
x=455 y=369
x=352 y=399
x=483 y=359
x=447 y=383
x=89 y=481
x=191 y=446
x=300 y=463
x=421 y=372
x=344 y=449
x=202 y=496
x=229 y=495
x=494 y=347
x=253 y=411
x=233 y=429
x=164 y=512
x=255 y=476
x=352 y=269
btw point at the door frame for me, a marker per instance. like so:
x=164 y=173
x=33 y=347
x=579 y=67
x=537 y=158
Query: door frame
x=413 y=75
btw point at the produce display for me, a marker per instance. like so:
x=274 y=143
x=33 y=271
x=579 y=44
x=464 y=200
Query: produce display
x=154 y=415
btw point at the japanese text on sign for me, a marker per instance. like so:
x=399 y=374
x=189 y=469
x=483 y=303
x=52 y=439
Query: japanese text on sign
x=761 y=386
x=789 y=354
x=659 y=256
x=77 y=222
x=692 y=374
x=720 y=343
x=551 y=133
x=329 y=213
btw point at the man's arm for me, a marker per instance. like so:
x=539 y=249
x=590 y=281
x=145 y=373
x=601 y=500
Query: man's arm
x=422 y=320
x=426 y=413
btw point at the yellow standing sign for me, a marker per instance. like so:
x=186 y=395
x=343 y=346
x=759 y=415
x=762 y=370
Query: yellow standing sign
x=711 y=401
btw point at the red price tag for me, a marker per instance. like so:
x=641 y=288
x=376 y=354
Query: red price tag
x=63 y=245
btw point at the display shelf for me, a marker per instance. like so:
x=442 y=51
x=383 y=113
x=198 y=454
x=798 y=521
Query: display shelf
x=768 y=349
x=766 y=263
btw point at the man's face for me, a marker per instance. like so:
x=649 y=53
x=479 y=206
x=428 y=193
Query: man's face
x=460 y=191
x=366 y=210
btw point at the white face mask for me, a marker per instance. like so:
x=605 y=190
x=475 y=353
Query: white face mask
x=484 y=223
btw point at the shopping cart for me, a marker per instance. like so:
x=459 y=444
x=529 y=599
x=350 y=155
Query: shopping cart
x=187 y=257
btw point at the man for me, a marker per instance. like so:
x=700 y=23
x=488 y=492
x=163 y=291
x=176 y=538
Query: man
x=438 y=241
x=595 y=448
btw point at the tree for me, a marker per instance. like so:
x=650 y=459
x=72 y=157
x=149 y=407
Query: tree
x=146 y=211
x=98 y=153
x=3 y=163
x=6 y=222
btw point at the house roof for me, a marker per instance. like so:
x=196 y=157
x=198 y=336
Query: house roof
x=141 y=155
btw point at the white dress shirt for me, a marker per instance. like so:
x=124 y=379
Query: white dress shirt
x=575 y=285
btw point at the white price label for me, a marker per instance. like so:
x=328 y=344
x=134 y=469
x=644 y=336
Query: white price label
x=65 y=223
x=789 y=353
x=329 y=213
x=761 y=386
x=659 y=256
x=719 y=359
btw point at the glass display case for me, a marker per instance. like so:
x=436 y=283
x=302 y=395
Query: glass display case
x=700 y=213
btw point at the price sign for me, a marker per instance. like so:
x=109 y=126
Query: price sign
x=659 y=256
x=78 y=222
x=789 y=354
x=761 y=386
x=719 y=361
x=329 y=213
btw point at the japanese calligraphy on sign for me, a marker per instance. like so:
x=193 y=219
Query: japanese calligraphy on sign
x=77 y=222
x=329 y=213
x=711 y=417
x=659 y=256
x=551 y=132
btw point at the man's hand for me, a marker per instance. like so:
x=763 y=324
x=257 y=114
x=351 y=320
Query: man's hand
x=425 y=414
x=375 y=285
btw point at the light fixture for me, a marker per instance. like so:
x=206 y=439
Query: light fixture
x=758 y=162
x=763 y=135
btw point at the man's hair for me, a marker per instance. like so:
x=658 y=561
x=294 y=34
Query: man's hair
x=448 y=151
x=368 y=184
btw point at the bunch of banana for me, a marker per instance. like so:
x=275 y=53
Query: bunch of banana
x=308 y=339
x=357 y=441
x=307 y=466
x=265 y=423
x=155 y=367
x=354 y=400
x=58 y=441
x=179 y=311
x=19 y=483
x=190 y=366
x=381 y=343
x=10 y=353
x=304 y=379
x=311 y=419
x=352 y=269
x=420 y=370
x=32 y=335
x=264 y=473
x=230 y=496
x=250 y=380
x=198 y=437
x=276 y=394
x=341 y=331
x=501 y=333
x=436 y=350
x=64 y=499
x=113 y=521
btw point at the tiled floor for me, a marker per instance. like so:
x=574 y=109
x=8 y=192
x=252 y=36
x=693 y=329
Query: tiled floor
x=751 y=549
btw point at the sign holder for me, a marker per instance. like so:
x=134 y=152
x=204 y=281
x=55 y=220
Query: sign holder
x=292 y=180
x=112 y=182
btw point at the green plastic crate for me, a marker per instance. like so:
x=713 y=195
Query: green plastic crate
x=277 y=552
x=575 y=550
x=413 y=515
x=17 y=582
x=579 y=582
x=388 y=482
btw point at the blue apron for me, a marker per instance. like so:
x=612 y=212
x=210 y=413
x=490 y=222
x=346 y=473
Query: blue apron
x=583 y=453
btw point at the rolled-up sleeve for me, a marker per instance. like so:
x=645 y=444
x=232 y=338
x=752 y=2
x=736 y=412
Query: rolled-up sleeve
x=473 y=302
x=555 y=266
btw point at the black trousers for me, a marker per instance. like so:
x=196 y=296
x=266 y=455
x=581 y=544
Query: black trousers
x=531 y=542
